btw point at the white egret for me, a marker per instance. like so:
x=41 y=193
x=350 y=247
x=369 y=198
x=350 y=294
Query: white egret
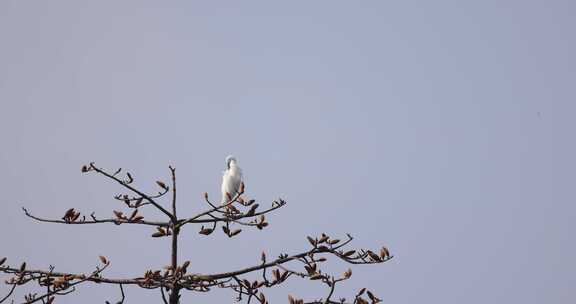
x=231 y=179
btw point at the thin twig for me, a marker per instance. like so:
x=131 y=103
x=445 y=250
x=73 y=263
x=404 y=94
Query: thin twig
x=163 y=296
x=9 y=293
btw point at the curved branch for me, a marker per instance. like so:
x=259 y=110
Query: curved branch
x=315 y=250
x=146 y=197
x=9 y=293
x=163 y=295
x=123 y=296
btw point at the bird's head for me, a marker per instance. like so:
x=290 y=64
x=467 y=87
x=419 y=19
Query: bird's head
x=230 y=159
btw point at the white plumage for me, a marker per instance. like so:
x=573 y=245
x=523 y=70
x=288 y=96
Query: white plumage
x=231 y=179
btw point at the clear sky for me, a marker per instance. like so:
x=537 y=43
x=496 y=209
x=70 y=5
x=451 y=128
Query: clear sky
x=442 y=129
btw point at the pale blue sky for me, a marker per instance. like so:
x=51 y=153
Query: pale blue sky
x=442 y=129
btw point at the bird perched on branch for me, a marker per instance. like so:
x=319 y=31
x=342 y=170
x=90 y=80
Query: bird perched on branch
x=231 y=179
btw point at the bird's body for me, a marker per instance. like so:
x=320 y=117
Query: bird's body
x=231 y=179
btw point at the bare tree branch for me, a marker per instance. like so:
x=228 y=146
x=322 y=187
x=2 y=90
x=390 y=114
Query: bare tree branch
x=96 y=221
x=126 y=185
